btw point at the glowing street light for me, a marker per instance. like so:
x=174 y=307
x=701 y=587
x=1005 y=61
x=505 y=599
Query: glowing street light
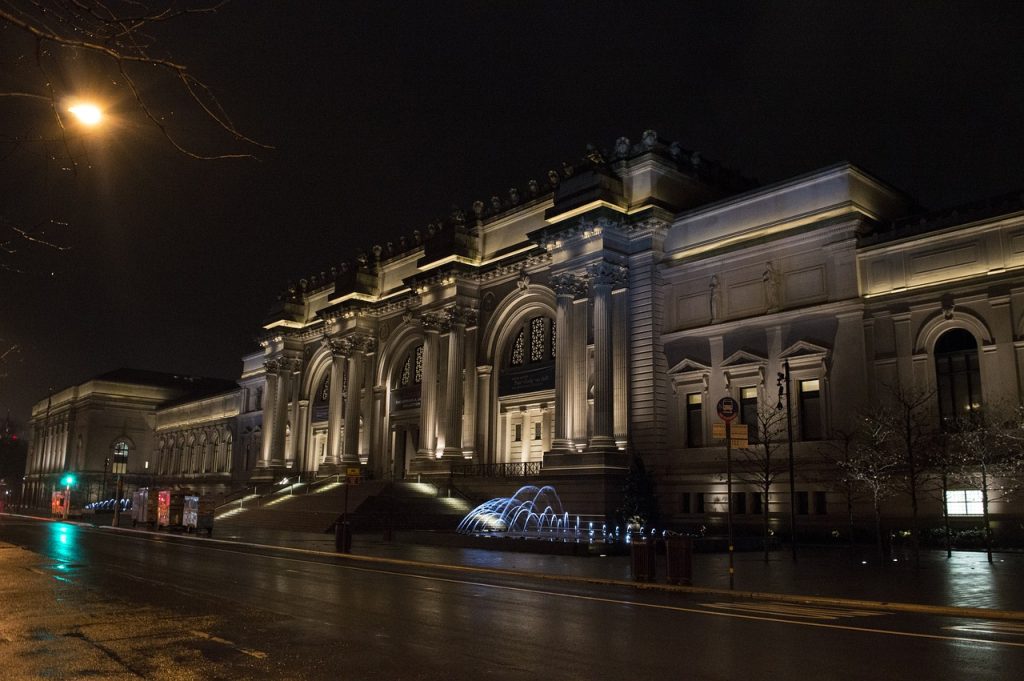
x=87 y=114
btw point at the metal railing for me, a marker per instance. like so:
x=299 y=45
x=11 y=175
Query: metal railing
x=497 y=470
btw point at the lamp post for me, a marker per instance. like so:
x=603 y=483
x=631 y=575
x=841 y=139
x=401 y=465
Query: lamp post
x=784 y=389
x=68 y=480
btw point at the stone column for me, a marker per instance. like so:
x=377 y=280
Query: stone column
x=457 y=320
x=620 y=372
x=335 y=403
x=567 y=287
x=579 y=401
x=269 y=403
x=484 y=450
x=296 y=384
x=280 y=416
x=301 y=437
x=603 y=277
x=358 y=345
x=428 y=389
x=378 y=442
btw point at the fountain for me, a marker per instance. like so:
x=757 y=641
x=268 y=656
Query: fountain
x=531 y=513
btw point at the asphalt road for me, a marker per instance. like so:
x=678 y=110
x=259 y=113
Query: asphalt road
x=80 y=602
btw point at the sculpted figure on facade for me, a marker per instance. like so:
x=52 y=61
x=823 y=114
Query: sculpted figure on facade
x=716 y=298
x=771 y=286
x=622 y=147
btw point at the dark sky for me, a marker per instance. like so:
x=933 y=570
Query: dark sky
x=384 y=115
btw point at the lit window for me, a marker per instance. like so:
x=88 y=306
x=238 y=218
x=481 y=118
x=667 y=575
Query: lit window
x=554 y=337
x=964 y=502
x=418 y=374
x=694 y=420
x=119 y=464
x=406 y=372
x=518 y=353
x=810 y=410
x=537 y=339
x=748 y=412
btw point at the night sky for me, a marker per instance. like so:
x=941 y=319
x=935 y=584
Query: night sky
x=385 y=115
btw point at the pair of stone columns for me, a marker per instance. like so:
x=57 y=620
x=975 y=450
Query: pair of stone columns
x=570 y=363
x=348 y=357
x=452 y=321
x=282 y=380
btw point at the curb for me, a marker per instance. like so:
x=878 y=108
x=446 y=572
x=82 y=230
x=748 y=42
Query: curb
x=886 y=606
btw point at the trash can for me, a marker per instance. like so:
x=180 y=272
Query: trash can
x=342 y=535
x=679 y=559
x=644 y=554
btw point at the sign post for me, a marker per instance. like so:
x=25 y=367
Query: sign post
x=728 y=409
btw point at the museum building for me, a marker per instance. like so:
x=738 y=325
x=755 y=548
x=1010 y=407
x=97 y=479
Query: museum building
x=555 y=330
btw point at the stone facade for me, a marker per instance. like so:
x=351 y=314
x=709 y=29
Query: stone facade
x=563 y=327
x=112 y=426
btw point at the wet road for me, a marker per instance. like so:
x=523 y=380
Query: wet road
x=106 y=604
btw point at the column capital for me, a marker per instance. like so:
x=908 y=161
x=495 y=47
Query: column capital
x=337 y=346
x=608 y=274
x=434 y=321
x=568 y=284
x=460 y=315
x=360 y=342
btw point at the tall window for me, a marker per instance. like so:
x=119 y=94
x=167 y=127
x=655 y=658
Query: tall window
x=119 y=462
x=412 y=368
x=694 y=420
x=748 y=412
x=810 y=410
x=957 y=374
x=535 y=342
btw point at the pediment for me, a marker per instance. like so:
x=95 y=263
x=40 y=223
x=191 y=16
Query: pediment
x=742 y=358
x=804 y=349
x=687 y=365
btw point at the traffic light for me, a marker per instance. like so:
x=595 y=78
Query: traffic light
x=68 y=480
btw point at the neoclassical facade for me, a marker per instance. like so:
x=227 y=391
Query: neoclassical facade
x=603 y=312
x=118 y=425
x=556 y=330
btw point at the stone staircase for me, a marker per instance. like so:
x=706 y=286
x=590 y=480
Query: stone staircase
x=372 y=505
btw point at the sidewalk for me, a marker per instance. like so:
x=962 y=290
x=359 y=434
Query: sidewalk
x=965 y=580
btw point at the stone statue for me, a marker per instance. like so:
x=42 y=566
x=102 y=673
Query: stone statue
x=771 y=286
x=533 y=187
x=716 y=298
x=552 y=178
x=650 y=138
x=513 y=196
x=622 y=147
x=495 y=204
x=478 y=208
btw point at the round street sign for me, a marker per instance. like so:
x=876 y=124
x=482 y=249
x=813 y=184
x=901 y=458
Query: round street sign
x=728 y=409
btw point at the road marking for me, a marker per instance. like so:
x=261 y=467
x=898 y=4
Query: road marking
x=258 y=654
x=166 y=541
x=790 y=610
x=637 y=604
x=996 y=628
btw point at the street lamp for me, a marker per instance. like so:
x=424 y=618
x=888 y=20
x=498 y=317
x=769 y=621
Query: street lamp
x=87 y=113
x=68 y=480
x=784 y=389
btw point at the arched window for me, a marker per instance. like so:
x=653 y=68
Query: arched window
x=119 y=462
x=533 y=343
x=957 y=374
x=412 y=369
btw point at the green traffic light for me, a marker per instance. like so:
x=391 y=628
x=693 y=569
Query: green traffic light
x=68 y=480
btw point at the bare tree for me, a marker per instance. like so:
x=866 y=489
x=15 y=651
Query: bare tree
x=759 y=465
x=871 y=466
x=902 y=427
x=119 y=43
x=988 y=449
x=840 y=450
